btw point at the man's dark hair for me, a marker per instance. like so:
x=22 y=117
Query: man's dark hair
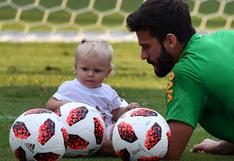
x=161 y=17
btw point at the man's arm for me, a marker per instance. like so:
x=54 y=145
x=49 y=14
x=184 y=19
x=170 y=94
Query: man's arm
x=214 y=147
x=180 y=135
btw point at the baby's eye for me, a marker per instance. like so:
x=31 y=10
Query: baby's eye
x=97 y=70
x=84 y=69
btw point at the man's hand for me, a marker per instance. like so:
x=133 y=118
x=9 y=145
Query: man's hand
x=214 y=147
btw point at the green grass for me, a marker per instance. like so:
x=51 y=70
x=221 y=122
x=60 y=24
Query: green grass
x=30 y=73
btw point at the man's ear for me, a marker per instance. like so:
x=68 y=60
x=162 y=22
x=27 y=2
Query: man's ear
x=170 y=41
x=173 y=46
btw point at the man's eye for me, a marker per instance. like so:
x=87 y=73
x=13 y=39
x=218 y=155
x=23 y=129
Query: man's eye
x=145 y=47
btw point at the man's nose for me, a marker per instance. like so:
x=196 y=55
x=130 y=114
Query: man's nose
x=144 y=54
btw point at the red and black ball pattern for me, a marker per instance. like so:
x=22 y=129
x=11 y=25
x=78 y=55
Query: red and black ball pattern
x=20 y=154
x=58 y=112
x=98 y=130
x=123 y=154
x=76 y=115
x=169 y=137
x=77 y=143
x=36 y=111
x=46 y=131
x=143 y=112
x=46 y=156
x=153 y=136
x=20 y=130
x=65 y=136
x=154 y=158
x=126 y=132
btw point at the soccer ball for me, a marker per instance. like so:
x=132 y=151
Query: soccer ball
x=85 y=126
x=38 y=134
x=141 y=134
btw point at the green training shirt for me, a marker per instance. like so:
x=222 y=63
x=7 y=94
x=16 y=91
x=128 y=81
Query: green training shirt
x=201 y=85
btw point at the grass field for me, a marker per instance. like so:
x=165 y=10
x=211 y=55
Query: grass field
x=30 y=74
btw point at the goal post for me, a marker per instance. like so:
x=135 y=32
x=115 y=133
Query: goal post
x=72 y=20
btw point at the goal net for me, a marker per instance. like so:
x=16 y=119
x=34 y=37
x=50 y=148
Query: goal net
x=73 y=20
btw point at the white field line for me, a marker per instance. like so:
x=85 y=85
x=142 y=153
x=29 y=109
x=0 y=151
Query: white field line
x=65 y=37
x=7 y=117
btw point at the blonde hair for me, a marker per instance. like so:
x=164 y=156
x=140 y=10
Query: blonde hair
x=99 y=48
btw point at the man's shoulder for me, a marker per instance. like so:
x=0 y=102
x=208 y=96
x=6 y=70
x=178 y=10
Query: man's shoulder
x=187 y=70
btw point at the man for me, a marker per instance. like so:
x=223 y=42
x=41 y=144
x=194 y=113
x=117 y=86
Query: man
x=201 y=81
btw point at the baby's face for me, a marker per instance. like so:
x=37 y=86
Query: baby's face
x=91 y=71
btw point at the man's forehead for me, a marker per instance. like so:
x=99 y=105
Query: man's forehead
x=144 y=37
x=143 y=34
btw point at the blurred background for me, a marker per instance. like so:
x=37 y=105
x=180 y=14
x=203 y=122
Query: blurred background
x=72 y=20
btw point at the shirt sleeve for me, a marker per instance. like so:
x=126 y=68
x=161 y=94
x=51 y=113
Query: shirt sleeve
x=63 y=92
x=185 y=97
x=116 y=101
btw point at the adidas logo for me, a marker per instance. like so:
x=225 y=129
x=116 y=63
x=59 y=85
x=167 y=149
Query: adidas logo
x=30 y=147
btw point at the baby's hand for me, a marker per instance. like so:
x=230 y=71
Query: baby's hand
x=133 y=105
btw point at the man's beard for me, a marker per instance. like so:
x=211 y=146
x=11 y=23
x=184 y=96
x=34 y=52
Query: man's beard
x=164 y=64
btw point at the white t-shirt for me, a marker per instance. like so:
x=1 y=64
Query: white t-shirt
x=104 y=98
